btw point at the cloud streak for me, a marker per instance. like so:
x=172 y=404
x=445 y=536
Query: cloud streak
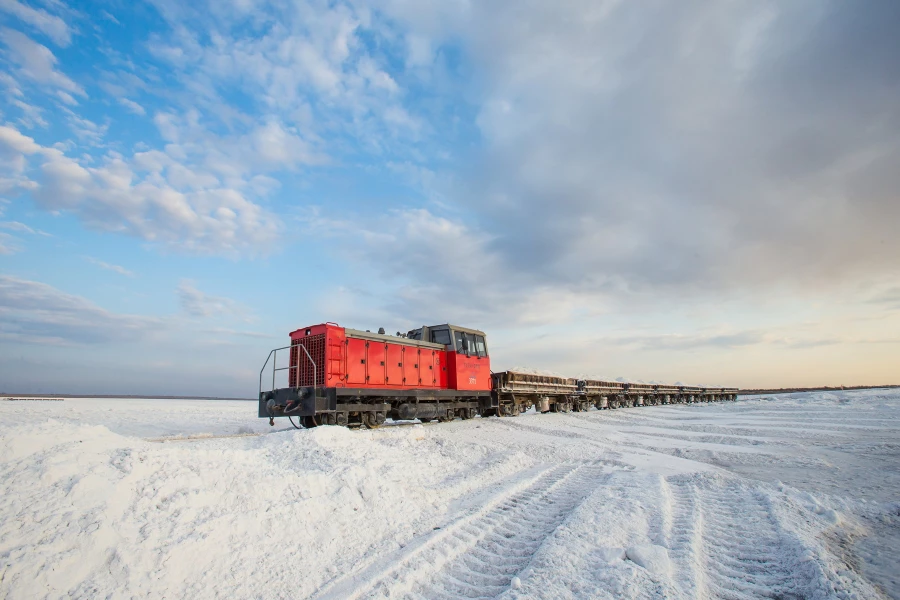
x=199 y=304
x=109 y=267
x=37 y=313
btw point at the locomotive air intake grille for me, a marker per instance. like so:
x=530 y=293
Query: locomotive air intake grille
x=301 y=372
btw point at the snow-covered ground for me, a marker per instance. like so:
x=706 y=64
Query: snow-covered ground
x=794 y=496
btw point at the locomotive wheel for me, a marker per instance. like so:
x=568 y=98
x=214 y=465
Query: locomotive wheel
x=329 y=419
x=466 y=413
x=370 y=420
x=341 y=419
x=309 y=422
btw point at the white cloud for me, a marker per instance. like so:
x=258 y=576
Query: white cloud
x=376 y=77
x=109 y=267
x=120 y=196
x=51 y=25
x=677 y=150
x=132 y=106
x=14 y=150
x=9 y=244
x=12 y=139
x=199 y=304
x=437 y=265
x=22 y=228
x=304 y=64
x=37 y=62
x=88 y=131
x=31 y=115
x=67 y=98
x=34 y=312
x=263 y=148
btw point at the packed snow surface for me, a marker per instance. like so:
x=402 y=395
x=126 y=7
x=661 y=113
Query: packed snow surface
x=792 y=496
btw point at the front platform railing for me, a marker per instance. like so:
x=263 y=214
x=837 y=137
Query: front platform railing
x=273 y=356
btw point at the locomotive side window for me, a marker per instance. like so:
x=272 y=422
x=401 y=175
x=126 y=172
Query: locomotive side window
x=479 y=345
x=441 y=336
x=461 y=342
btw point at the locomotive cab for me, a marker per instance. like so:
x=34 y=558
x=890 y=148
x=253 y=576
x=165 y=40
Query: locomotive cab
x=468 y=362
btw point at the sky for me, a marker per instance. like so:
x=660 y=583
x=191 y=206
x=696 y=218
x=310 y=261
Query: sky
x=698 y=192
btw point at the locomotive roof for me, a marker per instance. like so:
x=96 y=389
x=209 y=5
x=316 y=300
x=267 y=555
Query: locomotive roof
x=457 y=328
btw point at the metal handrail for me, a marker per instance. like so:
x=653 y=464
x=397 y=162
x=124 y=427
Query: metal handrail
x=287 y=368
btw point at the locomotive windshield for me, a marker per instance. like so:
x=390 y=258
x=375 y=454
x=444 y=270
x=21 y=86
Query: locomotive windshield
x=470 y=344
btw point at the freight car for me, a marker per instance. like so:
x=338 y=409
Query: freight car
x=342 y=376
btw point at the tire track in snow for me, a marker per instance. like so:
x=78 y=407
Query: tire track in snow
x=477 y=557
x=684 y=531
x=726 y=543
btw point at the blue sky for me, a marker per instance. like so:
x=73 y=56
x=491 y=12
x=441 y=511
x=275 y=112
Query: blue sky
x=666 y=192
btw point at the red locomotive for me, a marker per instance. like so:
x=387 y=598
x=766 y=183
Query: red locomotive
x=340 y=376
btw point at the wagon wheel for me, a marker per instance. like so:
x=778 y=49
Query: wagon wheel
x=516 y=410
